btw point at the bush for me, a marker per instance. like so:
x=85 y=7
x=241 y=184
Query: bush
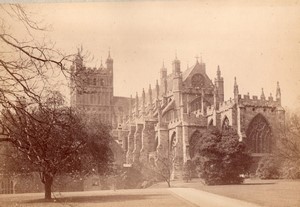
x=290 y=170
x=268 y=168
x=220 y=158
x=187 y=171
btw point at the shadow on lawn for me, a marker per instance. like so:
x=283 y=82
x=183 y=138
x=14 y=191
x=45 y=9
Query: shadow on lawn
x=99 y=198
x=269 y=183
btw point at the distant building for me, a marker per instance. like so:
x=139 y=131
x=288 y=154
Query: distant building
x=165 y=119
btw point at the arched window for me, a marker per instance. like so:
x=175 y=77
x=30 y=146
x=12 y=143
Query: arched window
x=192 y=142
x=173 y=143
x=225 y=124
x=259 y=135
x=101 y=82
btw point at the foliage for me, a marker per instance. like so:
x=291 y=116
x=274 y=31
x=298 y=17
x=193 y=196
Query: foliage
x=290 y=169
x=288 y=146
x=188 y=171
x=268 y=168
x=220 y=158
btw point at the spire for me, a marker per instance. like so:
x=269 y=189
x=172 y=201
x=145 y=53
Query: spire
x=143 y=95
x=197 y=57
x=278 y=93
x=143 y=101
x=216 y=98
x=165 y=86
x=109 y=61
x=101 y=65
x=262 y=96
x=176 y=65
x=136 y=105
x=201 y=58
x=236 y=88
x=271 y=97
x=130 y=106
x=157 y=90
x=150 y=95
x=218 y=72
x=109 y=53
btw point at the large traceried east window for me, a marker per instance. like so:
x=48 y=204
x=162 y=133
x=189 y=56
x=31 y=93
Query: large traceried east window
x=197 y=81
x=259 y=135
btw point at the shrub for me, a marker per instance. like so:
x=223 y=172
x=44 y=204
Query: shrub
x=268 y=168
x=220 y=158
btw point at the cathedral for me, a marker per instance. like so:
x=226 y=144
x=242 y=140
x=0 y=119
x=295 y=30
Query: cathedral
x=164 y=119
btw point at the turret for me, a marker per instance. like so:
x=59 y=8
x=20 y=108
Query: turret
x=163 y=79
x=262 y=96
x=130 y=108
x=278 y=94
x=216 y=98
x=235 y=90
x=157 y=90
x=136 y=105
x=109 y=62
x=143 y=102
x=150 y=95
x=176 y=66
x=78 y=62
x=219 y=83
x=163 y=71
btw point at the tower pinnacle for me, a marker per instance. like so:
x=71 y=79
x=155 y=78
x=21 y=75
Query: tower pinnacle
x=262 y=96
x=278 y=93
x=235 y=88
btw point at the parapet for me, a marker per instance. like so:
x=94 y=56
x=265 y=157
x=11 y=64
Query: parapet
x=246 y=100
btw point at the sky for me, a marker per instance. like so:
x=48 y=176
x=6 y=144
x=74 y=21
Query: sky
x=256 y=41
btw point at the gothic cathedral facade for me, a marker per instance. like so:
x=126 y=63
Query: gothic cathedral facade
x=166 y=118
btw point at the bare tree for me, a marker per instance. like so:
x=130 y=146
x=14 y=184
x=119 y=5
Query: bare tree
x=287 y=149
x=55 y=140
x=28 y=63
x=52 y=137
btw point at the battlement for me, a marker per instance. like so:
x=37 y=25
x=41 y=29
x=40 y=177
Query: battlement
x=210 y=110
x=226 y=105
x=174 y=122
x=101 y=70
x=246 y=100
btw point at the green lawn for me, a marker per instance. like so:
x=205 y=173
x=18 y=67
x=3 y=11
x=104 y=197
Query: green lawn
x=271 y=193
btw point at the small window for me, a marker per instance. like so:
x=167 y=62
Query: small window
x=101 y=82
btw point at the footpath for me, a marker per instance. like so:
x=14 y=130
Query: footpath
x=205 y=199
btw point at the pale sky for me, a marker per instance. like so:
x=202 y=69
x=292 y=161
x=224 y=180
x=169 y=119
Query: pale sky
x=259 y=43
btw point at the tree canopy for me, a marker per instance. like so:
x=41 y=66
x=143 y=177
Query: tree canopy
x=220 y=157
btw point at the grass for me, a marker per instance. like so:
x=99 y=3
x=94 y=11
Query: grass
x=271 y=193
x=119 y=198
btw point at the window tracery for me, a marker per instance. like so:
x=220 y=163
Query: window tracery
x=259 y=135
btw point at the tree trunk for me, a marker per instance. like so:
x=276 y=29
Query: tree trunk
x=48 y=185
x=169 y=183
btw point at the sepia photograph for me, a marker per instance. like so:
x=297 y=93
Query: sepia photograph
x=150 y=103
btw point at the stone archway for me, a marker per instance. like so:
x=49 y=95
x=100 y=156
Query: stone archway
x=259 y=135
